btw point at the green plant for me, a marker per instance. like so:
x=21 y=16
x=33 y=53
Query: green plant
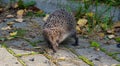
x=94 y=44
x=21 y=32
x=82 y=10
x=30 y=3
x=98 y=20
x=118 y=65
x=23 y=5
x=37 y=14
x=86 y=60
x=117 y=39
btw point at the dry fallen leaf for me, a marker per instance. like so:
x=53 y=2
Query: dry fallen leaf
x=101 y=35
x=61 y=58
x=45 y=18
x=116 y=25
x=20 y=13
x=111 y=36
x=8 y=37
x=10 y=23
x=82 y=22
x=10 y=16
x=1 y=10
x=110 y=31
x=15 y=5
x=13 y=33
x=78 y=29
x=6 y=28
x=19 y=20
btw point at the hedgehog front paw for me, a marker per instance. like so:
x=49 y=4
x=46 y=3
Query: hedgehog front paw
x=75 y=44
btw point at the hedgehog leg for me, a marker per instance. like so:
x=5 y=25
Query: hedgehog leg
x=55 y=47
x=76 y=40
x=49 y=44
x=52 y=46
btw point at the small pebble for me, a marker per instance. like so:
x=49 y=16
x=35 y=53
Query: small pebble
x=118 y=45
x=97 y=59
x=32 y=59
x=16 y=62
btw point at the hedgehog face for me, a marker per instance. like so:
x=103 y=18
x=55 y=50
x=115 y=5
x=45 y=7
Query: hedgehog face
x=53 y=36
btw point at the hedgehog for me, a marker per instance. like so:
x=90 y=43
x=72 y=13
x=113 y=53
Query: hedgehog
x=59 y=25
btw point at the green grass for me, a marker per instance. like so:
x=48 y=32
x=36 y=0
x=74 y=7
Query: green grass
x=21 y=32
x=111 y=54
x=117 y=39
x=97 y=19
x=108 y=2
x=86 y=60
x=27 y=54
x=94 y=44
x=83 y=58
x=23 y=5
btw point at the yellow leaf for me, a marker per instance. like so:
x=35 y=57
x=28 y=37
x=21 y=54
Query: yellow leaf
x=19 y=20
x=6 y=28
x=20 y=13
x=82 y=22
x=61 y=58
x=101 y=35
x=40 y=11
x=15 y=5
x=90 y=14
x=1 y=9
x=78 y=29
x=13 y=33
x=10 y=23
x=10 y=37
x=9 y=16
x=116 y=24
x=45 y=18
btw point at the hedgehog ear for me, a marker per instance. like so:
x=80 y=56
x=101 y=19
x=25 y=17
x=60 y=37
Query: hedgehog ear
x=45 y=30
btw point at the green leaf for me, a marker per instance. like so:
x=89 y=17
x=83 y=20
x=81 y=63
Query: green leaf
x=117 y=39
x=94 y=44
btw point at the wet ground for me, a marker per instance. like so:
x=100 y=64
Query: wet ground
x=30 y=49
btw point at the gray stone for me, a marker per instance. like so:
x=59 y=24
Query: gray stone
x=64 y=63
x=18 y=51
x=37 y=60
x=64 y=57
x=6 y=59
x=111 y=48
x=97 y=57
x=19 y=44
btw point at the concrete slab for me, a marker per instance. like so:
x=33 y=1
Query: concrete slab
x=37 y=60
x=6 y=59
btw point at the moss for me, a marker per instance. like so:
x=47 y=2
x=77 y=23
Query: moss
x=117 y=39
x=111 y=54
x=94 y=44
x=26 y=54
x=14 y=54
x=83 y=58
x=86 y=60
